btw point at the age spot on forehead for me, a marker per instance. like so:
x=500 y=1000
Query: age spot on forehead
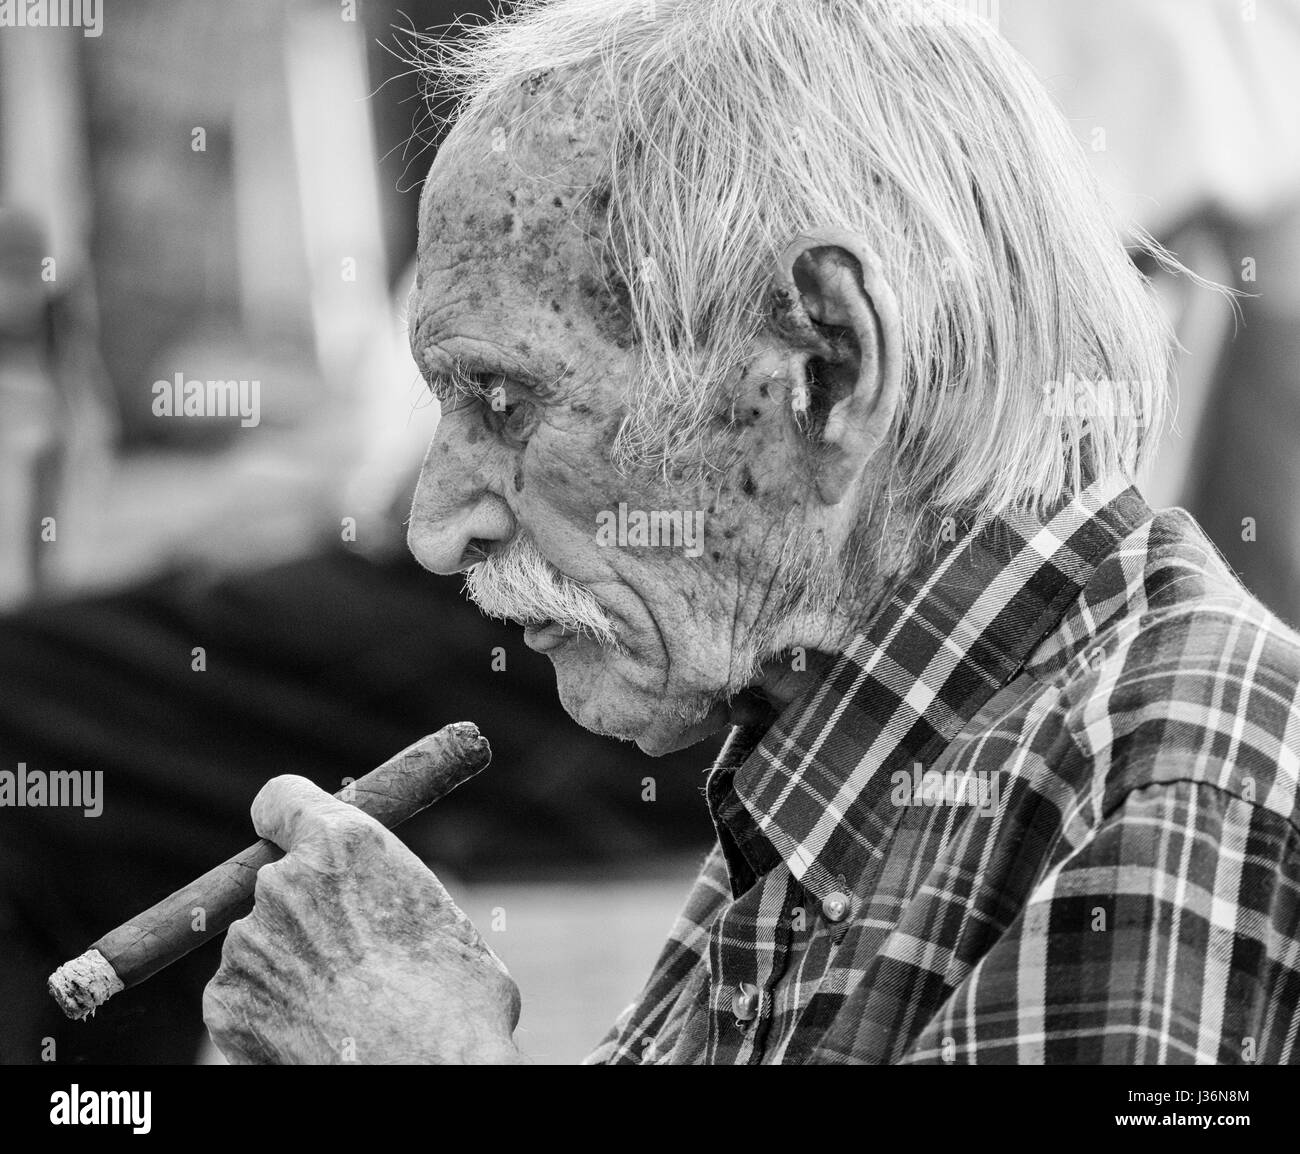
x=509 y=237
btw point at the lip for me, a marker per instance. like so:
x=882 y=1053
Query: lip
x=544 y=638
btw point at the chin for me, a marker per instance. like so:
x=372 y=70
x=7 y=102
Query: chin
x=597 y=690
x=598 y=699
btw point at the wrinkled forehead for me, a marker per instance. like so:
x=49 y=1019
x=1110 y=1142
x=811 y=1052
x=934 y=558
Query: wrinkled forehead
x=508 y=216
x=508 y=184
x=553 y=124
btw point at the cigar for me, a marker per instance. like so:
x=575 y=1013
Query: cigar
x=417 y=777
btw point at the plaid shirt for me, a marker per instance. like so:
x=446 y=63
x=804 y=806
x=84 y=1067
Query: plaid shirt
x=1043 y=810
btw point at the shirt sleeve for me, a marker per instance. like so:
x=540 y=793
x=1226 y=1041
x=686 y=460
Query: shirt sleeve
x=1170 y=934
x=607 y=1049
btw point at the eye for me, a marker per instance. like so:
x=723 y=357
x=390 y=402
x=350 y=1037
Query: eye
x=509 y=412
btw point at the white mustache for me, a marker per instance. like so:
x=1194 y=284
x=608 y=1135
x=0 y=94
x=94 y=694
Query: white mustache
x=520 y=584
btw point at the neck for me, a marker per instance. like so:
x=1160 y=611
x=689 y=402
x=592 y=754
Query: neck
x=879 y=556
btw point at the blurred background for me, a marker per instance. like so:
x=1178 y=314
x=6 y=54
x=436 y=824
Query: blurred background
x=191 y=606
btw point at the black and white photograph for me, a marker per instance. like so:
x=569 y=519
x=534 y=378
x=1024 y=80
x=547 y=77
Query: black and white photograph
x=649 y=532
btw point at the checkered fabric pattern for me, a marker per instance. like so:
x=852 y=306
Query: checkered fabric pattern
x=1042 y=810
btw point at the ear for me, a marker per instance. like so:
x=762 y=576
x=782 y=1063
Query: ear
x=836 y=320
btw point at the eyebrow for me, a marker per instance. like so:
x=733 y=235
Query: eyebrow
x=471 y=376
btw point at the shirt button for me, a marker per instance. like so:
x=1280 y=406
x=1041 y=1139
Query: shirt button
x=835 y=906
x=745 y=1003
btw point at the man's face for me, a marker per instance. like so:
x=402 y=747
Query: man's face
x=508 y=286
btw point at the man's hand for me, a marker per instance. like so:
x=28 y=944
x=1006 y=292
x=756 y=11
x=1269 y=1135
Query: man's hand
x=353 y=951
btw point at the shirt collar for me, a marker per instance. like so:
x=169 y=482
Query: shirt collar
x=807 y=791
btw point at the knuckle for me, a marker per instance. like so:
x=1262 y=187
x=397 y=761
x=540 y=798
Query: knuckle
x=514 y=1003
x=236 y=945
x=270 y=884
x=277 y=792
x=336 y=822
x=287 y=783
x=458 y=928
x=354 y=832
x=282 y=797
x=367 y=835
x=216 y=1013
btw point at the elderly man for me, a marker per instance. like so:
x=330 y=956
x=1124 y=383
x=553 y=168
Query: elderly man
x=1013 y=768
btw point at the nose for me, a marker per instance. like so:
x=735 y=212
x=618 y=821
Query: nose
x=454 y=518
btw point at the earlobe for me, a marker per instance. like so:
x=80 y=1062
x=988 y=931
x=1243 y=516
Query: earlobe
x=832 y=308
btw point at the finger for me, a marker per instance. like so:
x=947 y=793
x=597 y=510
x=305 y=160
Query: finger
x=219 y=1017
x=231 y=1004
x=289 y=810
x=231 y=1025
x=247 y=956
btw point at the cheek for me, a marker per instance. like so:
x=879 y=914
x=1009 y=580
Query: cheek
x=567 y=495
x=566 y=477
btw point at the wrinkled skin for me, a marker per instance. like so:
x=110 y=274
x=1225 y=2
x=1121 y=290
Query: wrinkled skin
x=506 y=276
x=350 y=925
x=352 y=936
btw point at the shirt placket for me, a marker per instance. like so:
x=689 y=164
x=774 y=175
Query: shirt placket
x=748 y=953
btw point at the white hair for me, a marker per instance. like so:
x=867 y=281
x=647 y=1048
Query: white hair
x=1033 y=350
x=517 y=583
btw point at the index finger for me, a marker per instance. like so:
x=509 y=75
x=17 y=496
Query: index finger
x=289 y=809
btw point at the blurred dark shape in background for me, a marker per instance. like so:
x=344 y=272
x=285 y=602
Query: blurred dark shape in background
x=228 y=192
x=323 y=668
